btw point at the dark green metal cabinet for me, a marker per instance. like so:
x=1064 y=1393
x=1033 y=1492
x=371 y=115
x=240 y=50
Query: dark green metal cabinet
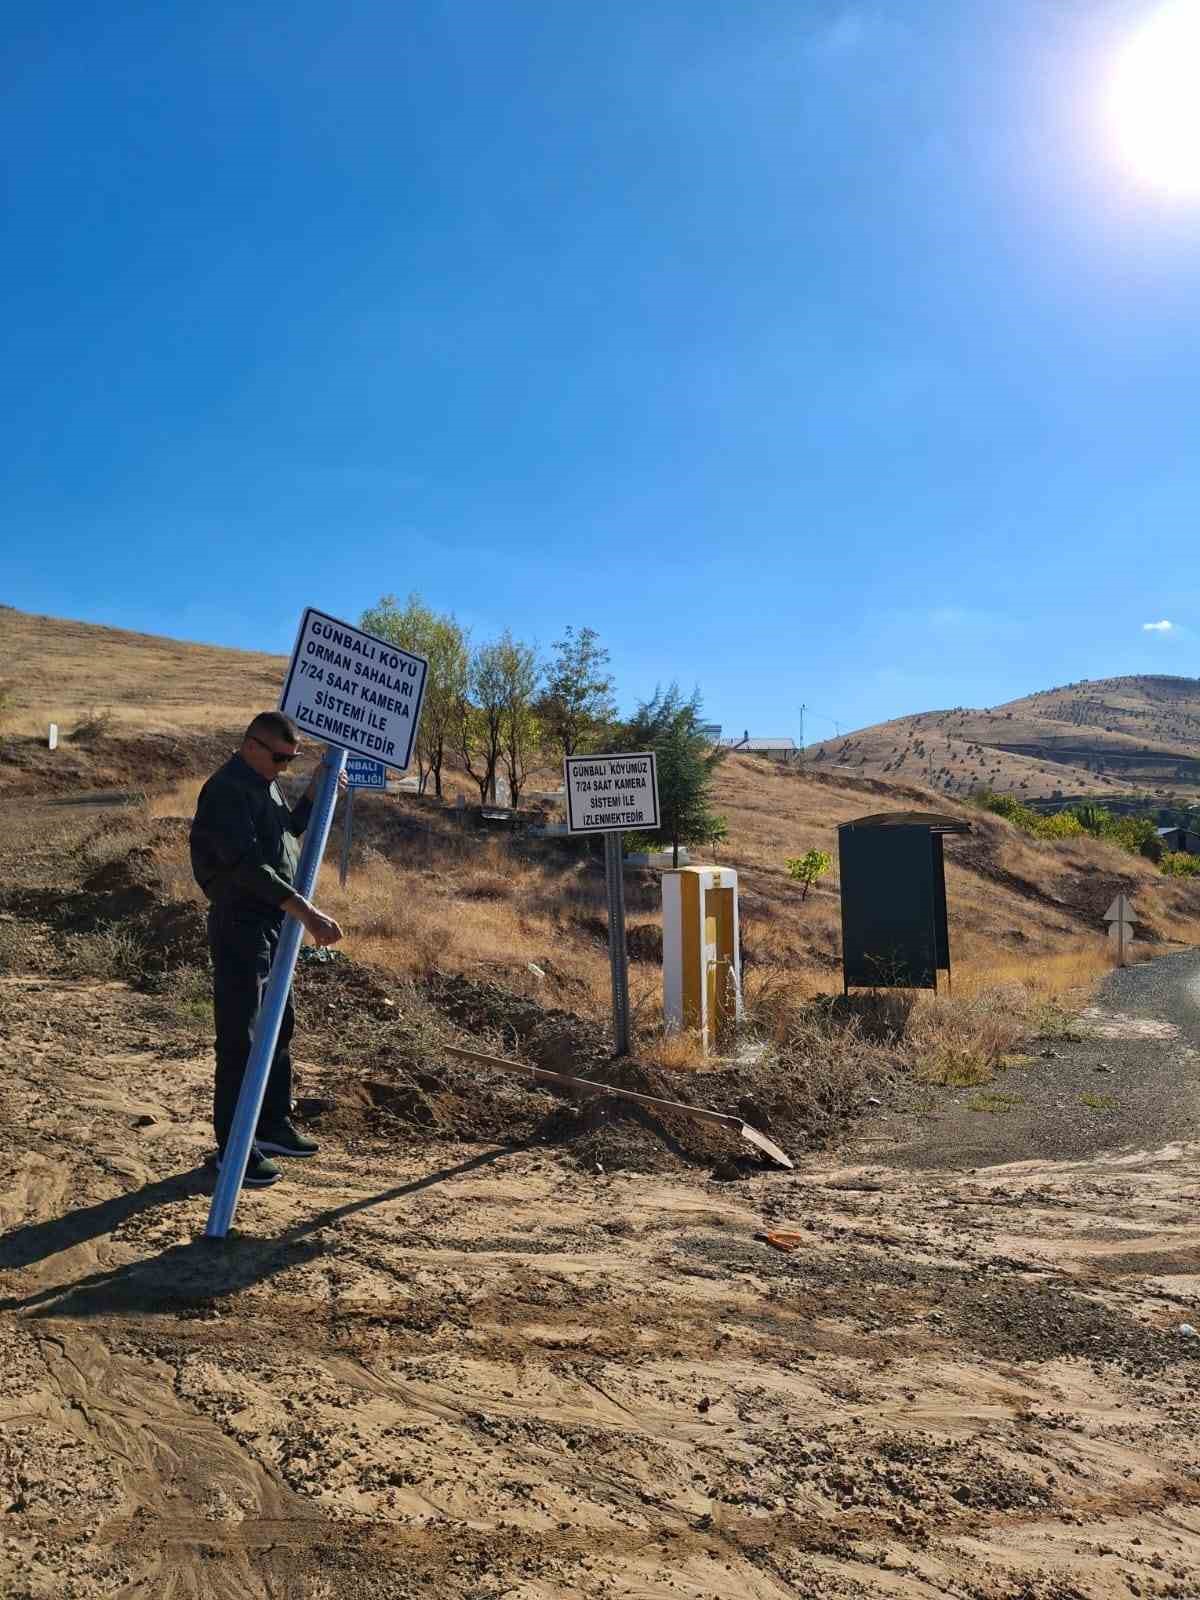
x=895 y=933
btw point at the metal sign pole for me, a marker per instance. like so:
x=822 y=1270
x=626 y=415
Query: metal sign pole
x=614 y=882
x=347 y=835
x=270 y=1016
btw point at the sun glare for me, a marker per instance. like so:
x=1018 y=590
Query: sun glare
x=1155 y=99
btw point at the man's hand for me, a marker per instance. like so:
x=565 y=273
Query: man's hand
x=311 y=792
x=321 y=929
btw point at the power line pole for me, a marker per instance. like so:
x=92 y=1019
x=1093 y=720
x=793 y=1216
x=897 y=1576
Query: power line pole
x=803 y=709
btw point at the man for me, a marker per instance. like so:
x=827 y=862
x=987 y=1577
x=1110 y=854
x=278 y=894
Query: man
x=244 y=845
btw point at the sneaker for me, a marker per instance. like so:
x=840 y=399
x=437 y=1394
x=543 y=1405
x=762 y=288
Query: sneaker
x=261 y=1173
x=286 y=1140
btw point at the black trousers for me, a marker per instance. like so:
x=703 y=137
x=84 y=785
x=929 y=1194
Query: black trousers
x=243 y=941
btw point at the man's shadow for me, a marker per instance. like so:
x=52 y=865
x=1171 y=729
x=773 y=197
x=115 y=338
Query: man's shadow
x=189 y=1274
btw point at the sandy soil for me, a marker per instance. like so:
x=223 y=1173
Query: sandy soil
x=466 y=1370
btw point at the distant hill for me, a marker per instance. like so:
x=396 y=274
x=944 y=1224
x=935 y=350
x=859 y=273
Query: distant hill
x=1111 y=739
x=1106 y=739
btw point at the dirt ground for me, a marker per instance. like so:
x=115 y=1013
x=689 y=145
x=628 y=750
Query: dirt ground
x=423 y=1366
x=492 y=1342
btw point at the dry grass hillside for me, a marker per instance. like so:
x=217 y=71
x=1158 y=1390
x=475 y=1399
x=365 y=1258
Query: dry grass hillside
x=1110 y=739
x=427 y=890
x=72 y=673
x=157 y=714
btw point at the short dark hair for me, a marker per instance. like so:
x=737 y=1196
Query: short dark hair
x=273 y=722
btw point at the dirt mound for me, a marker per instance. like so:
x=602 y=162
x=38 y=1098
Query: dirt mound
x=142 y=760
x=550 y=1038
x=175 y=934
x=382 y=1044
x=128 y=892
x=126 y=887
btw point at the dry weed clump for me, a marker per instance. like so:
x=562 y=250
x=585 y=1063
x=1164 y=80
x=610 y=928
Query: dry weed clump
x=673 y=1049
x=92 y=725
x=961 y=1043
x=182 y=1001
x=957 y=1038
x=829 y=1055
x=109 y=955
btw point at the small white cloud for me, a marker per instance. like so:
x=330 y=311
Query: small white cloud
x=1158 y=627
x=846 y=33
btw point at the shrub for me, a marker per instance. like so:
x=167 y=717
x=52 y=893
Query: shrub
x=1178 y=864
x=1138 y=835
x=94 y=725
x=1062 y=825
x=110 y=954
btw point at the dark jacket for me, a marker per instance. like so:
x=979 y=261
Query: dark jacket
x=244 y=839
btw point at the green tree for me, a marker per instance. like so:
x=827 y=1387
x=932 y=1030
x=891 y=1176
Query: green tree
x=479 y=719
x=494 y=720
x=669 y=725
x=444 y=644
x=520 y=728
x=576 y=704
x=809 y=868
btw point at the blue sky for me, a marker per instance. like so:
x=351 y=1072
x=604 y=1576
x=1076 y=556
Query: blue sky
x=812 y=352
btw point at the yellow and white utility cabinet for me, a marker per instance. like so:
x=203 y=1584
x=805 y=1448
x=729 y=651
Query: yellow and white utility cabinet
x=702 y=962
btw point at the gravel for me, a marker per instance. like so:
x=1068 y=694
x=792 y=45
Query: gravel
x=1075 y=1098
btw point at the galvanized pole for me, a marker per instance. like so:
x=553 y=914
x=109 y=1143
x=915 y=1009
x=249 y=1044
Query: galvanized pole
x=347 y=835
x=614 y=882
x=270 y=1015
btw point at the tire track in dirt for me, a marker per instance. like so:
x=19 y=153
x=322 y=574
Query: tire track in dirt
x=484 y=1373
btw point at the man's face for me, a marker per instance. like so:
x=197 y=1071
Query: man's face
x=268 y=754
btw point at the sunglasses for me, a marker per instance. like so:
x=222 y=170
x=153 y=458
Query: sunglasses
x=279 y=757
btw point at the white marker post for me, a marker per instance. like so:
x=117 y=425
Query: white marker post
x=1119 y=917
x=52 y=740
x=613 y=795
x=362 y=697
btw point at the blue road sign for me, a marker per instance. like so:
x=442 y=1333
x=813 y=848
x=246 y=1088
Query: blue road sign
x=362 y=773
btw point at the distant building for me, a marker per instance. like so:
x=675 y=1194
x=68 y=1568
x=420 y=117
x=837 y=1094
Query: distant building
x=710 y=730
x=1180 y=839
x=779 y=749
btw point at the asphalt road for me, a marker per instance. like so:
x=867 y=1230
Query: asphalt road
x=1131 y=1083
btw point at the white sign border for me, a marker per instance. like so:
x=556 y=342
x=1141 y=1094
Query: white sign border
x=340 y=744
x=616 y=755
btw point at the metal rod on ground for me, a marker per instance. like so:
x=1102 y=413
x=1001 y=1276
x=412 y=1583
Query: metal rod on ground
x=567 y=1081
x=614 y=882
x=270 y=1015
x=347 y=835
